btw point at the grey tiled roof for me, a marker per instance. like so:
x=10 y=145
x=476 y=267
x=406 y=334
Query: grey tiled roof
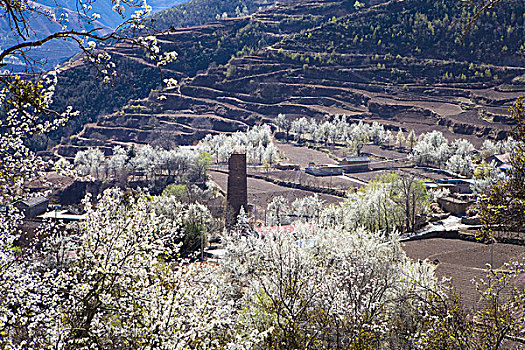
x=34 y=201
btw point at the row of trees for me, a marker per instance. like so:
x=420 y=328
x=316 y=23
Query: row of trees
x=430 y=148
x=458 y=157
x=337 y=130
x=256 y=142
x=179 y=165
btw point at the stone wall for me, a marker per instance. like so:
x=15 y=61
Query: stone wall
x=454 y=206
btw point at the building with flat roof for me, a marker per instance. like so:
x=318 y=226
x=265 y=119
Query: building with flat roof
x=62 y=215
x=324 y=170
x=461 y=186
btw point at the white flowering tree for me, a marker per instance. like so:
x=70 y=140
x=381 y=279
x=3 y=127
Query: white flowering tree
x=461 y=165
x=491 y=148
x=307 y=209
x=461 y=160
x=278 y=211
x=256 y=142
x=322 y=132
x=486 y=176
x=389 y=203
x=107 y=284
x=271 y=154
x=158 y=165
x=462 y=147
x=195 y=221
x=91 y=162
x=431 y=149
x=372 y=208
x=116 y=164
x=299 y=127
x=411 y=139
x=378 y=135
x=326 y=288
x=358 y=136
x=340 y=124
x=302 y=210
x=400 y=138
x=27 y=111
x=283 y=123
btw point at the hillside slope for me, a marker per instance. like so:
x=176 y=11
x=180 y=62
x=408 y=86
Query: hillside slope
x=166 y=14
x=405 y=64
x=198 y=48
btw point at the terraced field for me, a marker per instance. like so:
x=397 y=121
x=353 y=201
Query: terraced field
x=297 y=58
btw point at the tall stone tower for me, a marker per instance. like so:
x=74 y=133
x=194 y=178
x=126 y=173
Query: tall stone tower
x=237 y=195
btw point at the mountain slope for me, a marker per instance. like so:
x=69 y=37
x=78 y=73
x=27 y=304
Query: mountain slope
x=199 y=12
x=197 y=47
x=324 y=57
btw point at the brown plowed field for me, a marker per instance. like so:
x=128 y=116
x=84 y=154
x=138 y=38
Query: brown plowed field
x=462 y=261
x=302 y=155
x=261 y=192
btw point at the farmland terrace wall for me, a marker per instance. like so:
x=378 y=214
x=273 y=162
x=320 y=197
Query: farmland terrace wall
x=288 y=60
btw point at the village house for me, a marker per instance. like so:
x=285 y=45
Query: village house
x=460 y=186
x=32 y=207
x=502 y=162
x=355 y=164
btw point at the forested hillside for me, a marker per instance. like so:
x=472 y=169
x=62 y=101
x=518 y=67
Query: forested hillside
x=136 y=77
x=198 y=12
x=426 y=28
x=315 y=58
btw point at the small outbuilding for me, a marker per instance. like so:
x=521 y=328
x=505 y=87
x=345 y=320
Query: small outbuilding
x=32 y=207
x=324 y=170
x=355 y=164
x=287 y=166
x=502 y=162
x=461 y=186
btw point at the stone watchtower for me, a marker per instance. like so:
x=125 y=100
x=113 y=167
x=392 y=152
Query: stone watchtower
x=237 y=195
